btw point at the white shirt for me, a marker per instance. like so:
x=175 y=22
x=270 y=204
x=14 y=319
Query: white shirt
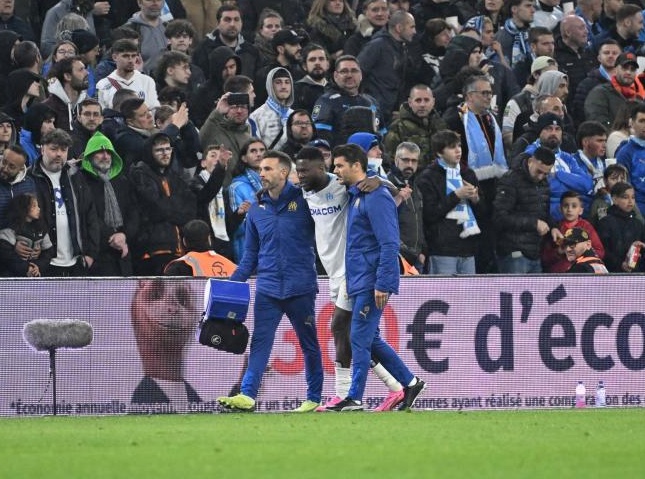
x=64 y=249
x=329 y=210
x=141 y=84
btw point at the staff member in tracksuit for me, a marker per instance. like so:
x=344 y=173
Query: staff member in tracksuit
x=279 y=244
x=372 y=273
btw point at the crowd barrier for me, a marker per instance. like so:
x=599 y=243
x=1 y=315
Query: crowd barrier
x=490 y=342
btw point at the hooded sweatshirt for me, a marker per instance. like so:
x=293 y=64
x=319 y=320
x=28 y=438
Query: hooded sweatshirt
x=19 y=83
x=96 y=143
x=203 y=100
x=4 y=118
x=271 y=118
x=62 y=105
x=7 y=41
x=152 y=41
x=30 y=131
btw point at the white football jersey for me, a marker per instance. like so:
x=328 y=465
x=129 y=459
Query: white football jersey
x=329 y=210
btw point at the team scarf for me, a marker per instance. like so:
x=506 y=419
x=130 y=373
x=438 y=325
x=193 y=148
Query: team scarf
x=631 y=92
x=281 y=110
x=521 y=48
x=485 y=164
x=462 y=213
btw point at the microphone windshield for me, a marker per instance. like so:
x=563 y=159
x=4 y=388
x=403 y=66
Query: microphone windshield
x=46 y=334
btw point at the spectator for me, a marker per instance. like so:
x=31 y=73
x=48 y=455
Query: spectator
x=513 y=36
x=315 y=63
x=173 y=70
x=86 y=9
x=116 y=207
x=632 y=155
x=125 y=54
x=288 y=48
x=62 y=49
x=270 y=22
x=607 y=56
x=88 y=121
x=26 y=227
x=621 y=128
x=574 y=60
x=39 y=120
x=521 y=213
x=417 y=122
x=228 y=123
x=166 y=204
x=9 y=21
x=548 y=14
x=152 y=31
x=403 y=175
x=620 y=230
x=626 y=31
x=450 y=208
x=87 y=45
x=67 y=88
x=542 y=44
x=386 y=63
x=243 y=190
x=580 y=254
x=228 y=33
x=604 y=101
x=212 y=205
x=14 y=180
x=8 y=132
x=300 y=131
x=592 y=145
x=181 y=35
x=107 y=64
x=613 y=174
x=23 y=89
x=202 y=15
x=330 y=24
x=67 y=207
x=374 y=19
x=554 y=255
x=428 y=50
x=344 y=95
x=271 y=117
x=113 y=121
x=224 y=64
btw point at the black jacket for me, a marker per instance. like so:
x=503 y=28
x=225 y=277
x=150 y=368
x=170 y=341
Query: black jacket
x=574 y=64
x=249 y=55
x=79 y=204
x=162 y=215
x=594 y=78
x=617 y=231
x=519 y=203
x=442 y=234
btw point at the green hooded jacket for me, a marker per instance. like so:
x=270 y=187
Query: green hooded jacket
x=99 y=142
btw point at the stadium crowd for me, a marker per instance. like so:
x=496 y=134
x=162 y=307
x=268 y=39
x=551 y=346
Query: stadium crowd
x=502 y=123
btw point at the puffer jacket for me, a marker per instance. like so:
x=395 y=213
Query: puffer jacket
x=279 y=245
x=519 y=203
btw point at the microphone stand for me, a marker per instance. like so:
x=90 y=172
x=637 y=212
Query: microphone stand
x=52 y=372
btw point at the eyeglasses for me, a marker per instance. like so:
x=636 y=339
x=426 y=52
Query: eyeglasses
x=302 y=123
x=349 y=71
x=166 y=149
x=487 y=93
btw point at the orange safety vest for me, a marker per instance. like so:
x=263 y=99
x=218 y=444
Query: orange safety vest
x=595 y=262
x=207 y=264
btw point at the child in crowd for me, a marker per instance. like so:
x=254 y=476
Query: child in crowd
x=620 y=229
x=26 y=227
x=612 y=175
x=450 y=204
x=554 y=258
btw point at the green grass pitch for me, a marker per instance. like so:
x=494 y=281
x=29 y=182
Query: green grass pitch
x=589 y=443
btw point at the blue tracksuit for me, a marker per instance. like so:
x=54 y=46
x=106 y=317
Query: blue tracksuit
x=371 y=263
x=279 y=245
x=632 y=156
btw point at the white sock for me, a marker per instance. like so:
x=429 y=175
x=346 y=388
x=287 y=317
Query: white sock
x=413 y=382
x=385 y=376
x=343 y=380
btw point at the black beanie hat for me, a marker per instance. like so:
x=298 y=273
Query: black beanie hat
x=84 y=40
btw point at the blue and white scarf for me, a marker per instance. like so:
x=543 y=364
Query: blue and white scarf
x=485 y=164
x=280 y=109
x=462 y=213
x=521 y=48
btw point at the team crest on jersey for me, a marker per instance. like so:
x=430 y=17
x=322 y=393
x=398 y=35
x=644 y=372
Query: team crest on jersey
x=315 y=111
x=357 y=202
x=293 y=206
x=329 y=196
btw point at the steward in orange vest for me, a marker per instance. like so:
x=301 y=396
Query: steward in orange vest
x=200 y=260
x=579 y=251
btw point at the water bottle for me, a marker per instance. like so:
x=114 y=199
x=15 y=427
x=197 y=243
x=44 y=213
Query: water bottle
x=581 y=392
x=601 y=395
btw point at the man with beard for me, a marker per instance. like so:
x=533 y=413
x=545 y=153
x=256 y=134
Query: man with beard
x=228 y=33
x=117 y=211
x=288 y=48
x=567 y=173
x=67 y=88
x=410 y=203
x=583 y=259
x=125 y=54
x=604 y=101
x=300 y=131
x=14 y=180
x=67 y=207
x=309 y=88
